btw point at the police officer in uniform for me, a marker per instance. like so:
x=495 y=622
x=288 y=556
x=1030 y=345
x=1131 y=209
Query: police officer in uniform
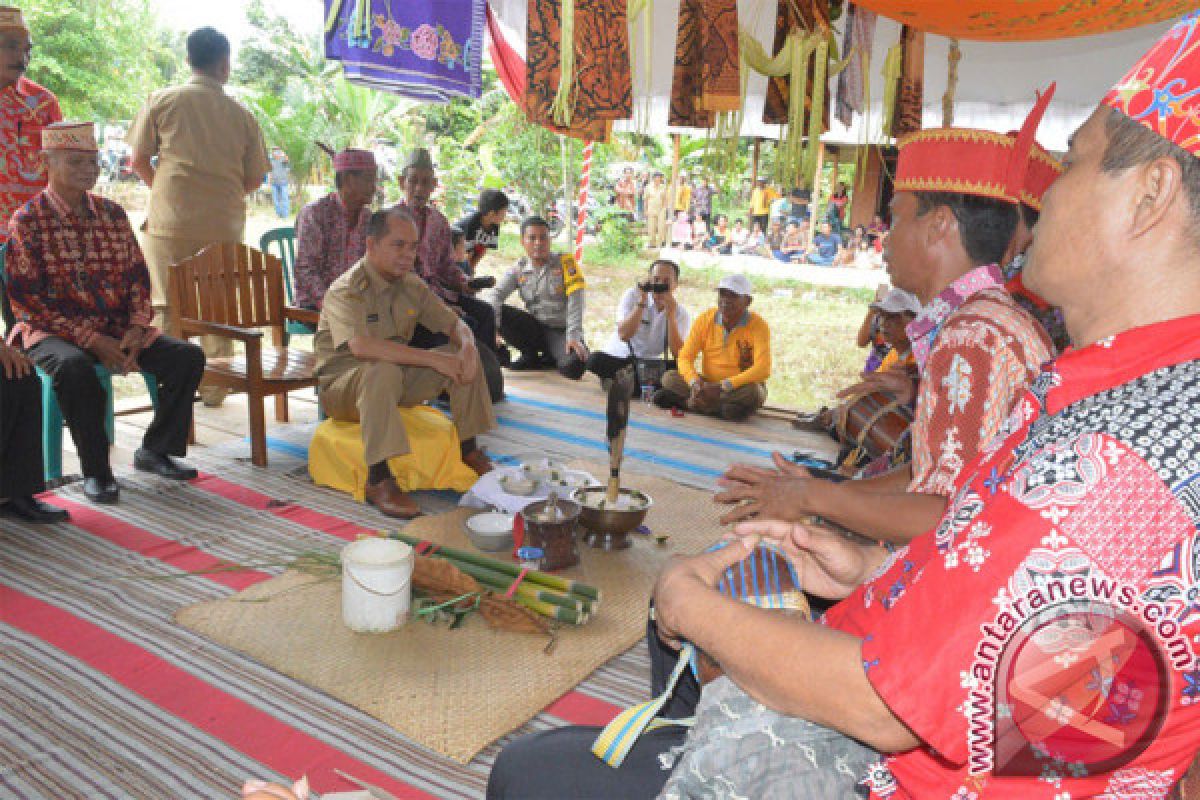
x=21 y=465
x=548 y=332
x=365 y=366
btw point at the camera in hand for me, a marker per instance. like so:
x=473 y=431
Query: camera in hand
x=482 y=282
x=657 y=288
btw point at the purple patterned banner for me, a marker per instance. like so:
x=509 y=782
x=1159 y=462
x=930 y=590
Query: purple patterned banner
x=425 y=49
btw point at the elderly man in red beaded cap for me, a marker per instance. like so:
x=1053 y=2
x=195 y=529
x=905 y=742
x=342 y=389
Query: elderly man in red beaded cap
x=80 y=291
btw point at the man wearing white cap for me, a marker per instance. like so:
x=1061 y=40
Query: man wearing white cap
x=80 y=292
x=210 y=156
x=25 y=108
x=734 y=347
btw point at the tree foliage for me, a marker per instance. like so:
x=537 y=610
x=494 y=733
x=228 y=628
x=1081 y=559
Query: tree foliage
x=102 y=58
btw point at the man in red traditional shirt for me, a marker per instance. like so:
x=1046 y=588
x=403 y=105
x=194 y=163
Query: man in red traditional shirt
x=1039 y=641
x=80 y=291
x=25 y=108
x=437 y=265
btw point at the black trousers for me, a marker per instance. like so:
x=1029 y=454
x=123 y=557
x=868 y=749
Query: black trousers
x=534 y=339
x=21 y=466
x=481 y=319
x=178 y=367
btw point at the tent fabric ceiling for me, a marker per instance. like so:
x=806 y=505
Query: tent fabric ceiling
x=1026 y=20
x=996 y=83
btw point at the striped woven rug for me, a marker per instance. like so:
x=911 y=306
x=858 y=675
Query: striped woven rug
x=105 y=697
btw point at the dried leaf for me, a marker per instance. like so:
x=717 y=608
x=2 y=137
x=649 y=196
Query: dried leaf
x=505 y=614
x=439 y=575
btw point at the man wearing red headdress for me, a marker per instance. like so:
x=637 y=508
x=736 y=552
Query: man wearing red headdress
x=1038 y=642
x=331 y=233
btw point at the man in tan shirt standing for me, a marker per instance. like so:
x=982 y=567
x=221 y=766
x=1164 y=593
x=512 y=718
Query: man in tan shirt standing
x=366 y=367
x=210 y=156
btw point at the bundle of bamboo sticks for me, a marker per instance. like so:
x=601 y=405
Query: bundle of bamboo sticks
x=552 y=596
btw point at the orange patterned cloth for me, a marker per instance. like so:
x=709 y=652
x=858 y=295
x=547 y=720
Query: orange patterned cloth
x=1028 y=20
x=604 y=85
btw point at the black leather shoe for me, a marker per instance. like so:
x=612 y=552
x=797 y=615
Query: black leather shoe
x=164 y=466
x=104 y=490
x=31 y=509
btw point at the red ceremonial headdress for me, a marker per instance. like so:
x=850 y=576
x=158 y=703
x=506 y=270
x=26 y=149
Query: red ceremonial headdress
x=1043 y=170
x=977 y=162
x=1162 y=91
x=350 y=159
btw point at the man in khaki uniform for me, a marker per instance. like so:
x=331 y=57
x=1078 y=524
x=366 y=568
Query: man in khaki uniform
x=654 y=200
x=366 y=367
x=210 y=156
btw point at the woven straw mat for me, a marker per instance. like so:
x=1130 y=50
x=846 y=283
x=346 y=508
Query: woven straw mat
x=456 y=691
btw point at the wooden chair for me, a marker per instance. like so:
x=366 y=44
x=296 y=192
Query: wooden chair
x=231 y=290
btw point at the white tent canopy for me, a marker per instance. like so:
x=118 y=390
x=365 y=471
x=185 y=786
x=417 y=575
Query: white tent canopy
x=996 y=82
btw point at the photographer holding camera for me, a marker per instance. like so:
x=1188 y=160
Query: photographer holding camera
x=651 y=328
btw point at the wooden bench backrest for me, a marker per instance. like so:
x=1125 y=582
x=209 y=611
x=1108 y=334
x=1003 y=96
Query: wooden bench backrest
x=230 y=284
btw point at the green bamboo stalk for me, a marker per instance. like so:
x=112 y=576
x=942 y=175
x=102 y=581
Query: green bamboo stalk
x=501 y=582
x=535 y=576
x=554 y=612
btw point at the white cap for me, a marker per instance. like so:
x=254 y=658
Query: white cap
x=736 y=283
x=898 y=301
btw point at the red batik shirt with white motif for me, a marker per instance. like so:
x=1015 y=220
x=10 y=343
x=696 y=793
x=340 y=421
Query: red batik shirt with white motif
x=25 y=108
x=75 y=276
x=976 y=351
x=1095 y=475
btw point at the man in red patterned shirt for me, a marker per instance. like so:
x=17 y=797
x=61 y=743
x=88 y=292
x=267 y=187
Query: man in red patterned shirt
x=1039 y=643
x=976 y=350
x=25 y=108
x=80 y=291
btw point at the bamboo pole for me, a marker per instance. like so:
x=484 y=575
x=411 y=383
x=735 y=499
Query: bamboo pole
x=816 y=195
x=533 y=576
x=498 y=580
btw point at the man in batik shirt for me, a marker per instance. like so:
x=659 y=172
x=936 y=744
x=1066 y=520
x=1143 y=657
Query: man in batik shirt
x=439 y=268
x=1038 y=643
x=976 y=350
x=331 y=233
x=80 y=291
x=25 y=108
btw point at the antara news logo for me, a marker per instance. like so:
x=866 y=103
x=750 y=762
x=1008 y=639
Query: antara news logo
x=1072 y=678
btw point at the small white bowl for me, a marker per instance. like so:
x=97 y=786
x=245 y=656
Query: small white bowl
x=543 y=469
x=570 y=479
x=491 y=531
x=517 y=483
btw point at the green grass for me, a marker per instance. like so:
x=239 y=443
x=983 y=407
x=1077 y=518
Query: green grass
x=812 y=328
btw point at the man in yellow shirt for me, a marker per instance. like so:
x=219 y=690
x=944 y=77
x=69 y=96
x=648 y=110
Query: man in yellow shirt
x=734 y=346
x=761 y=197
x=683 y=194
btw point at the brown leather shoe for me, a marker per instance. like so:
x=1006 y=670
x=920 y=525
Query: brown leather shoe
x=387 y=497
x=478 y=461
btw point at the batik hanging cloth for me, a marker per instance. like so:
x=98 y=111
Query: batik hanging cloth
x=578 y=79
x=852 y=82
x=807 y=16
x=424 y=49
x=687 y=81
x=910 y=96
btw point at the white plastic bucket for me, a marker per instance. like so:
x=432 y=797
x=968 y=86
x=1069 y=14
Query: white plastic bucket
x=376 y=584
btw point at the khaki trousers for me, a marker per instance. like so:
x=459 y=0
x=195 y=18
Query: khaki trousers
x=656 y=226
x=368 y=394
x=735 y=404
x=161 y=252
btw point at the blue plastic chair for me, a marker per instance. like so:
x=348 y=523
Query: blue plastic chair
x=52 y=421
x=281 y=242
